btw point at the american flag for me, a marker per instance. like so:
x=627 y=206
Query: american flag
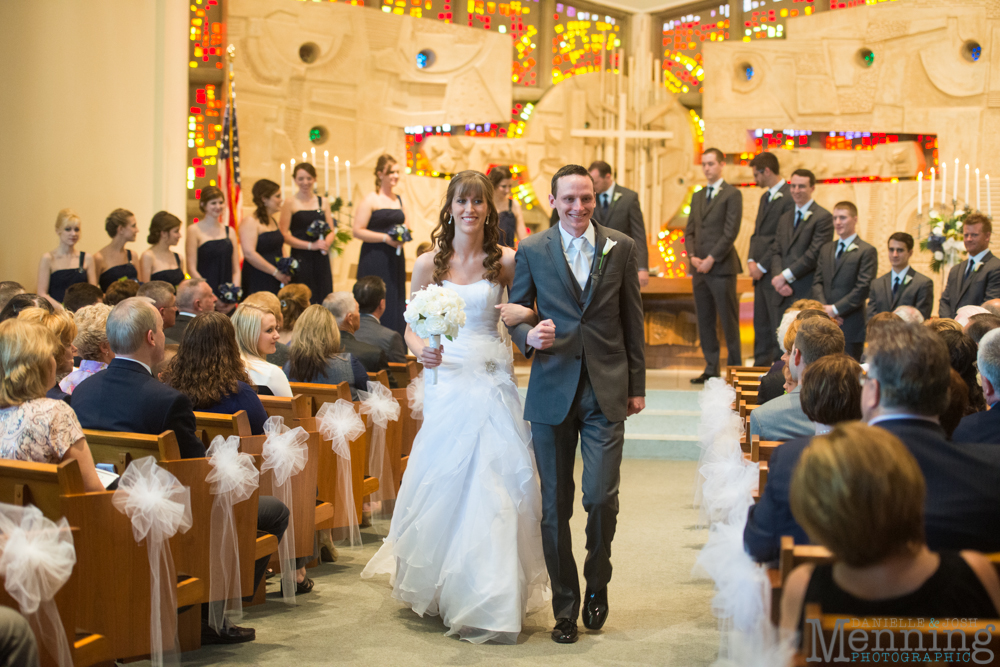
x=229 y=162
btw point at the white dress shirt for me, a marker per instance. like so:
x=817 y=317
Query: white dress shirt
x=787 y=273
x=584 y=245
x=901 y=275
x=976 y=260
x=136 y=361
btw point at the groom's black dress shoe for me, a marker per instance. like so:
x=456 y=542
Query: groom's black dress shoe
x=565 y=632
x=595 y=609
x=702 y=378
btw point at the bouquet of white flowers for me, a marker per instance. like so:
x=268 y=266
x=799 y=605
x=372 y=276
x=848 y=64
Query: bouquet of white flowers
x=433 y=312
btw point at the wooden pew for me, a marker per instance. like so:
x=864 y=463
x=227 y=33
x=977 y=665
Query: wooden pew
x=731 y=371
x=211 y=424
x=296 y=407
x=790 y=557
x=404 y=373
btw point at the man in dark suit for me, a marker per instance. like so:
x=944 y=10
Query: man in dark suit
x=194 y=296
x=801 y=232
x=712 y=228
x=844 y=274
x=126 y=397
x=369 y=292
x=976 y=280
x=344 y=309
x=902 y=286
x=985 y=426
x=618 y=208
x=905 y=390
x=774 y=203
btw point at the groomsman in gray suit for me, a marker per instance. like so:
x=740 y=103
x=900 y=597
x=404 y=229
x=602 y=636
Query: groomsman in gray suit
x=774 y=203
x=618 y=208
x=847 y=266
x=712 y=228
x=902 y=286
x=976 y=280
x=801 y=232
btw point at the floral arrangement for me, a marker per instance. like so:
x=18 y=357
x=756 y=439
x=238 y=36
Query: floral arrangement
x=433 y=312
x=229 y=293
x=945 y=239
x=400 y=234
x=287 y=265
x=318 y=229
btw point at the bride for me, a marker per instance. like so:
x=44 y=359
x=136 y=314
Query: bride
x=465 y=540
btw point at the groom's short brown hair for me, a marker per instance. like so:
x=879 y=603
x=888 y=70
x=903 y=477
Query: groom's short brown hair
x=568 y=170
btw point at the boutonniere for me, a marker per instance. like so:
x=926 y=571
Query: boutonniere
x=907 y=280
x=807 y=215
x=978 y=266
x=616 y=197
x=777 y=195
x=852 y=247
x=608 y=245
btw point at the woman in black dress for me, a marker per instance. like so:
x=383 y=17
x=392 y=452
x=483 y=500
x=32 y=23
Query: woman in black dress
x=64 y=266
x=113 y=262
x=378 y=214
x=511 y=219
x=211 y=253
x=160 y=262
x=262 y=242
x=298 y=215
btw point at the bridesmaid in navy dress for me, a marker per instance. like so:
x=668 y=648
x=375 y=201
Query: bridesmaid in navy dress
x=512 y=227
x=160 y=262
x=64 y=266
x=297 y=215
x=211 y=253
x=378 y=214
x=113 y=262
x=262 y=242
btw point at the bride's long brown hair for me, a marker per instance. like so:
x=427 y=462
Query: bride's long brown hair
x=467 y=183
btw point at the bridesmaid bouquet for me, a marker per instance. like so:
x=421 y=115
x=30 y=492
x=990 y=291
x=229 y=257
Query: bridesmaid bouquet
x=286 y=265
x=400 y=234
x=229 y=293
x=317 y=230
x=433 y=312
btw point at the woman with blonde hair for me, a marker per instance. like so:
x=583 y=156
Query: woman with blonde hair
x=62 y=325
x=269 y=302
x=315 y=355
x=91 y=343
x=160 y=262
x=294 y=299
x=32 y=426
x=256 y=335
x=113 y=261
x=379 y=213
x=64 y=266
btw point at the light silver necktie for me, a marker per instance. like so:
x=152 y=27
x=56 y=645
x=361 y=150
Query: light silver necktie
x=580 y=268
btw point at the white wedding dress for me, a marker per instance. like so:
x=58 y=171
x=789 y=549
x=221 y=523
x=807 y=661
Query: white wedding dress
x=465 y=541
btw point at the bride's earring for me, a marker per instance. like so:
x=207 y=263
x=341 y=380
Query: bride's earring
x=451 y=219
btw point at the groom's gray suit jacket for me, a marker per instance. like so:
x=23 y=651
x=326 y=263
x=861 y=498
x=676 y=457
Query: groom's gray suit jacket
x=602 y=324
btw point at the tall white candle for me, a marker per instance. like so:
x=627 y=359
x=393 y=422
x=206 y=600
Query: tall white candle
x=282 y=179
x=967 y=184
x=326 y=172
x=979 y=200
x=336 y=174
x=292 y=169
x=989 y=198
x=347 y=170
x=312 y=154
x=920 y=192
x=305 y=156
x=954 y=190
x=944 y=183
x=931 y=204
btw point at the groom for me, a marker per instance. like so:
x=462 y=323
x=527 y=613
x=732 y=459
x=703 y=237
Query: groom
x=587 y=376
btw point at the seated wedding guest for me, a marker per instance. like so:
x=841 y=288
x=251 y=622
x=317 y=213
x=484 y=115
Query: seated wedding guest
x=64 y=266
x=962 y=352
x=910 y=314
x=91 y=344
x=859 y=492
x=985 y=426
x=904 y=392
x=269 y=302
x=980 y=324
x=294 y=300
x=80 y=295
x=18 y=647
x=194 y=296
x=344 y=309
x=993 y=306
x=126 y=396
x=782 y=418
x=160 y=262
x=113 y=261
x=369 y=292
x=772 y=383
x=966 y=313
x=958 y=405
x=9 y=289
x=120 y=290
x=208 y=370
x=62 y=325
x=315 y=355
x=20 y=302
x=32 y=426
x=256 y=335
x=164 y=299
x=937 y=324
x=831 y=394
x=877 y=320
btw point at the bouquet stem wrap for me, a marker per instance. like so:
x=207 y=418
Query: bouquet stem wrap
x=158 y=506
x=435 y=343
x=36 y=559
x=381 y=408
x=233 y=479
x=286 y=453
x=340 y=424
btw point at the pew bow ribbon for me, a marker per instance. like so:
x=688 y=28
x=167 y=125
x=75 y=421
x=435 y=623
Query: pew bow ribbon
x=415 y=396
x=232 y=480
x=36 y=559
x=158 y=506
x=381 y=408
x=340 y=424
x=286 y=454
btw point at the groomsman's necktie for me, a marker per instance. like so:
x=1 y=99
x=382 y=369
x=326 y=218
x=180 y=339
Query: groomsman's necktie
x=968 y=269
x=840 y=250
x=604 y=202
x=708 y=194
x=579 y=265
x=895 y=286
x=798 y=219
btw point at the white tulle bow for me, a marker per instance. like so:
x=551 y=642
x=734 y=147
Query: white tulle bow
x=415 y=396
x=379 y=404
x=340 y=424
x=232 y=480
x=158 y=506
x=36 y=559
x=381 y=408
x=286 y=454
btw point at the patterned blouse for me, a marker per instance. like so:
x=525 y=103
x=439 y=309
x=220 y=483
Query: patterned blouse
x=86 y=369
x=39 y=430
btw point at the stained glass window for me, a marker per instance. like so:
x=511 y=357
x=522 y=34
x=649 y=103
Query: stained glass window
x=583 y=40
x=765 y=19
x=846 y=4
x=206 y=99
x=682 y=39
